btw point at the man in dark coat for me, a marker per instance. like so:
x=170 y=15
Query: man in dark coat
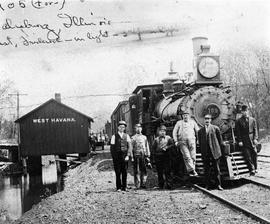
x=161 y=150
x=121 y=150
x=210 y=142
x=247 y=137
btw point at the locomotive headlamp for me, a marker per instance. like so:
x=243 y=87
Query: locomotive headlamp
x=208 y=67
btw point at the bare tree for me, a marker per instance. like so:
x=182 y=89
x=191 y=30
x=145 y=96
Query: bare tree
x=6 y=105
x=246 y=69
x=135 y=75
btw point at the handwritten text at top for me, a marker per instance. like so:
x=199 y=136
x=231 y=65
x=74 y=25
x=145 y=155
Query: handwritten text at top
x=31 y=33
x=36 y=4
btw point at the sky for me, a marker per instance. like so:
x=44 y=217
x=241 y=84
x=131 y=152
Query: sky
x=81 y=70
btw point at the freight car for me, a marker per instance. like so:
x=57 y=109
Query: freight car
x=152 y=105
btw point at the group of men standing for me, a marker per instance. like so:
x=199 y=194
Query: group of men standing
x=137 y=149
x=186 y=135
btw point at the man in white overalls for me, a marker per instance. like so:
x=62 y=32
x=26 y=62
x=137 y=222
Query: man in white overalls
x=184 y=135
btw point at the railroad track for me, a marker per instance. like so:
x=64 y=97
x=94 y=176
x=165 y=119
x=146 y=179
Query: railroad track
x=265 y=156
x=263 y=161
x=257 y=183
x=235 y=201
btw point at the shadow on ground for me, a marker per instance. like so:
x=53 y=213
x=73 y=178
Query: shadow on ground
x=100 y=155
x=106 y=165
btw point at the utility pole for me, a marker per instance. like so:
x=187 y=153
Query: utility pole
x=18 y=110
x=18 y=101
x=18 y=115
x=13 y=126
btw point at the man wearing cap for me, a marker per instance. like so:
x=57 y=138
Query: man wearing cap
x=161 y=150
x=121 y=150
x=184 y=136
x=247 y=137
x=210 y=142
x=141 y=152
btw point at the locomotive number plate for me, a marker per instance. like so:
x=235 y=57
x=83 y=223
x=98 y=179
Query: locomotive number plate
x=214 y=110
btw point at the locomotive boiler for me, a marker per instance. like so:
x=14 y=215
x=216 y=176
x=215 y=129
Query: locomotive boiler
x=205 y=100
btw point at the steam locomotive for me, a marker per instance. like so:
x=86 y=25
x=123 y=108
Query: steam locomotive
x=204 y=93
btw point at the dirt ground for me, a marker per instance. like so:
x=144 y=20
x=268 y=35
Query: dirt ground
x=90 y=197
x=263 y=174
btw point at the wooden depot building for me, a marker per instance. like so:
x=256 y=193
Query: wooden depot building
x=53 y=129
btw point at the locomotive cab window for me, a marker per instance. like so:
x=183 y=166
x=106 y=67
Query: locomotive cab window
x=146 y=100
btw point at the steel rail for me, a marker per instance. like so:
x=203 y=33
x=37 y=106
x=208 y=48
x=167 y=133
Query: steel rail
x=234 y=205
x=266 y=156
x=262 y=161
x=257 y=183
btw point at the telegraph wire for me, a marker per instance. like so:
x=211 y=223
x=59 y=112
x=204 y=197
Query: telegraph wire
x=105 y=95
x=98 y=95
x=71 y=97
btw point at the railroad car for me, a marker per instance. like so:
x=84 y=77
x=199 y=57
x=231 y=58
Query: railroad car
x=204 y=92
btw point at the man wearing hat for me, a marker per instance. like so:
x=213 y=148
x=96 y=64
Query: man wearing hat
x=210 y=141
x=93 y=141
x=161 y=150
x=184 y=136
x=141 y=152
x=121 y=150
x=247 y=137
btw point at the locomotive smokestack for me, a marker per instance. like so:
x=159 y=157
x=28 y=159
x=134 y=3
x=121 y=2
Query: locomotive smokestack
x=198 y=45
x=57 y=97
x=169 y=80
